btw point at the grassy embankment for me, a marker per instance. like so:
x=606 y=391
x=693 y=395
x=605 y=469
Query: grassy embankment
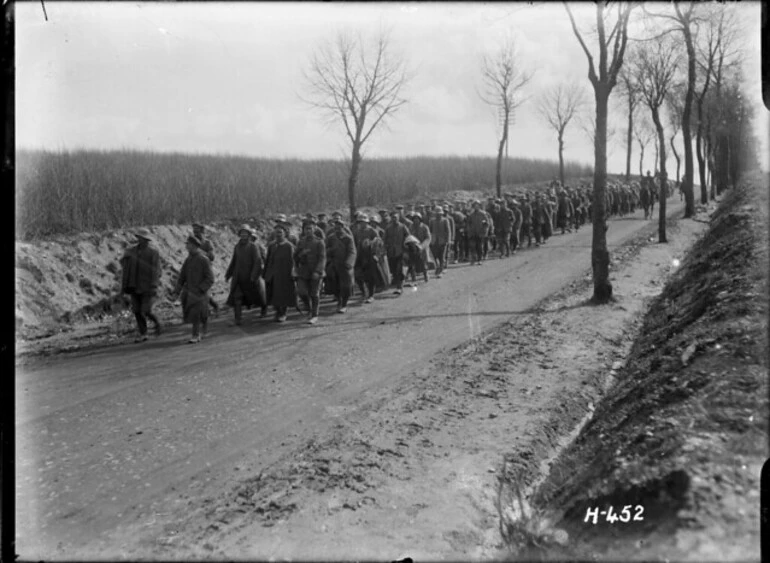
x=70 y=192
x=682 y=435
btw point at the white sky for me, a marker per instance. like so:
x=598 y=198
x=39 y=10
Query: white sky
x=225 y=78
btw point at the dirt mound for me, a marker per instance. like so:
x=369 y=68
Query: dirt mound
x=680 y=439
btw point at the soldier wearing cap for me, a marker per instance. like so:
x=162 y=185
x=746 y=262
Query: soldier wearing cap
x=279 y=267
x=365 y=265
x=526 y=220
x=447 y=209
x=515 y=208
x=245 y=268
x=207 y=249
x=478 y=225
x=422 y=233
x=140 y=280
x=374 y=223
x=402 y=218
x=310 y=262
x=340 y=261
x=322 y=223
x=564 y=212
x=503 y=228
x=460 y=245
x=538 y=218
x=396 y=233
x=195 y=280
x=283 y=221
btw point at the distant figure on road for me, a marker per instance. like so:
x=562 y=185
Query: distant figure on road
x=141 y=277
x=278 y=273
x=245 y=270
x=195 y=280
x=644 y=199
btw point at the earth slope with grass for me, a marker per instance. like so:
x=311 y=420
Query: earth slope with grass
x=682 y=435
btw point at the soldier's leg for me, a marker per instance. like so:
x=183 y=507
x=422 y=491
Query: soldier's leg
x=315 y=296
x=146 y=307
x=345 y=281
x=303 y=292
x=136 y=307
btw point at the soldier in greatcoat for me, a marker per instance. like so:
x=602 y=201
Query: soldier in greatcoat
x=563 y=212
x=365 y=270
x=477 y=225
x=504 y=227
x=441 y=235
x=460 y=245
x=452 y=231
x=526 y=219
x=310 y=262
x=140 y=280
x=421 y=232
x=195 y=280
x=245 y=269
x=395 y=235
x=278 y=273
x=516 y=227
x=340 y=261
x=207 y=248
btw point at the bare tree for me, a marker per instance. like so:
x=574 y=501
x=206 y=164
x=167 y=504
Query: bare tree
x=674 y=104
x=502 y=82
x=603 y=77
x=712 y=50
x=558 y=106
x=643 y=134
x=627 y=87
x=359 y=85
x=654 y=68
x=685 y=19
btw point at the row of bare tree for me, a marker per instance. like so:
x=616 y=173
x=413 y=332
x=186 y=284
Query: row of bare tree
x=684 y=75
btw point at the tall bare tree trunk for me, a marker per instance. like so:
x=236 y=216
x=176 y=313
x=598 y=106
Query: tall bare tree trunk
x=676 y=156
x=699 y=150
x=355 y=165
x=500 y=149
x=663 y=192
x=641 y=161
x=600 y=256
x=689 y=197
x=629 y=138
x=561 y=157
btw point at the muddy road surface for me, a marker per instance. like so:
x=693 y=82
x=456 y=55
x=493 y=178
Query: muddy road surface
x=112 y=443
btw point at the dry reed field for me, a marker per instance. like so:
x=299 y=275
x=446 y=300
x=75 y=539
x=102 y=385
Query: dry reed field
x=74 y=191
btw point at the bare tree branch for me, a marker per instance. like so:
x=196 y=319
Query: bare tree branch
x=362 y=88
x=503 y=79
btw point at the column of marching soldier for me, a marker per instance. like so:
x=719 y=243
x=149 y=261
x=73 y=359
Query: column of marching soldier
x=374 y=254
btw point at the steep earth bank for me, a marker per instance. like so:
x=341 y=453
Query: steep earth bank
x=680 y=439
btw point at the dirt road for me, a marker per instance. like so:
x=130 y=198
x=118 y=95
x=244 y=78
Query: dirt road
x=116 y=442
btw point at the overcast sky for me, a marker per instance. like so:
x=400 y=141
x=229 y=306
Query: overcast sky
x=226 y=78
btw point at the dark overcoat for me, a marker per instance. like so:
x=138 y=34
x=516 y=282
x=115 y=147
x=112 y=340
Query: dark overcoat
x=278 y=279
x=195 y=280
